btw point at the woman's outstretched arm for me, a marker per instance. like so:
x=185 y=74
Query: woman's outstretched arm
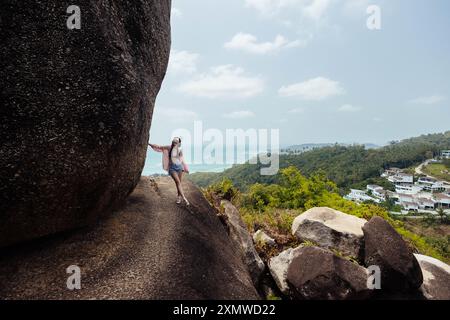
x=157 y=148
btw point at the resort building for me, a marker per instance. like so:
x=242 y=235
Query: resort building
x=445 y=154
x=401 y=178
x=360 y=196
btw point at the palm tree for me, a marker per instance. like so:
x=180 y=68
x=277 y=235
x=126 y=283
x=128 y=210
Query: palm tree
x=442 y=214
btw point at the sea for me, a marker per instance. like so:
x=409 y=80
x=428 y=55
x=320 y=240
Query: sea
x=153 y=163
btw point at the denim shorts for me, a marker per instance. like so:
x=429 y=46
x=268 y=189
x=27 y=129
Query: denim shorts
x=175 y=168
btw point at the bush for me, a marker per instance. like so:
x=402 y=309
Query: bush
x=263 y=206
x=222 y=190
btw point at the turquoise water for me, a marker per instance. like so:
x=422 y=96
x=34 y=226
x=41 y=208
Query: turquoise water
x=153 y=165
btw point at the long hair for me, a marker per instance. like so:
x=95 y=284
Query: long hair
x=171 y=148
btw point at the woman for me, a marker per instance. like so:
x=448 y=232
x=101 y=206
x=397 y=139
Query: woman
x=173 y=162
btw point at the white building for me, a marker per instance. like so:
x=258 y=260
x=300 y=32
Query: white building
x=390 y=172
x=425 y=203
x=432 y=185
x=442 y=200
x=445 y=154
x=377 y=191
x=360 y=196
x=401 y=178
x=408 y=189
x=410 y=206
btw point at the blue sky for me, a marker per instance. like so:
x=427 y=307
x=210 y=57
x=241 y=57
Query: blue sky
x=310 y=68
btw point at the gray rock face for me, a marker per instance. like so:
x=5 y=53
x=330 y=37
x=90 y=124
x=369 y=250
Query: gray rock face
x=385 y=248
x=330 y=228
x=278 y=267
x=150 y=249
x=76 y=109
x=242 y=238
x=436 y=278
x=315 y=273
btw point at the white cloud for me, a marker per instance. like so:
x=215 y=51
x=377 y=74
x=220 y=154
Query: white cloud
x=176 y=13
x=177 y=115
x=349 y=108
x=249 y=43
x=434 y=99
x=183 y=61
x=312 y=9
x=243 y=114
x=271 y=6
x=316 y=9
x=314 y=89
x=226 y=81
x=297 y=111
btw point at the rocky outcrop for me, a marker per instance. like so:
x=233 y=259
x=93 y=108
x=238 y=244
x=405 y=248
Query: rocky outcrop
x=385 y=248
x=315 y=273
x=76 y=109
x=263 y=239
x=436 y=278
x=330 y=229
x=278 y=267
x=240 y=235
x=151 y=248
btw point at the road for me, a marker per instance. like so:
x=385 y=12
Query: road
x=150 y=249
x=419 y=168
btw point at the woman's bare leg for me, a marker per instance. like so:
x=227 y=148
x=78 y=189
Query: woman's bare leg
x=180 y=176
x=177 y=181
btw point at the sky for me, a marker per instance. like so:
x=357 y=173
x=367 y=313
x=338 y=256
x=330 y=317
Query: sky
x=310 y=68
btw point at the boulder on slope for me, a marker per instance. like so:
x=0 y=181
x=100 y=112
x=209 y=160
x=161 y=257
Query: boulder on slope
x=385 y=248
x=331 y=229
x=318 y=274
x=436 y=278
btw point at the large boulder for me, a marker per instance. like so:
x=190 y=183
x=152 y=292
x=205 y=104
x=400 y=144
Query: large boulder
x=330 y=229
x=385 y=248
x=150 y=249
x=243 y=239
x=436 y=278
x=315 y=273
x=278 y=267
x=76 y=109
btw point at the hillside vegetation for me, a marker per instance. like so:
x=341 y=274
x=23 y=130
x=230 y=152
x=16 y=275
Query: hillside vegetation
x=273 y=207
x=439 y=170
x=347 y=166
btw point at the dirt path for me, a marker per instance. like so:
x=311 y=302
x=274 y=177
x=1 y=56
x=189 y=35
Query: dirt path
x=419 y=168
x=151 y=249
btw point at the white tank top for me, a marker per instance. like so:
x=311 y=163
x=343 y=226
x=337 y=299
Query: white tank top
x=176 y=156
